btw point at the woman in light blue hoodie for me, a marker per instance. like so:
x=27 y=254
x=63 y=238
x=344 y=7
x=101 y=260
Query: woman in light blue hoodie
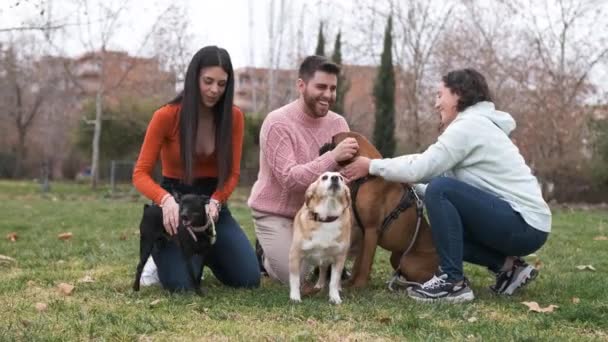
x=483 y=203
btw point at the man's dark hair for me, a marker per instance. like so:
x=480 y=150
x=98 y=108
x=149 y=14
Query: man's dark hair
x=314 y=63
x=469 y=85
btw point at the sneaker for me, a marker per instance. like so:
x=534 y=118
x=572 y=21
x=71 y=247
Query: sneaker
x=439 y=289
x=149 y=275
x=259 y=252
x=521 y=274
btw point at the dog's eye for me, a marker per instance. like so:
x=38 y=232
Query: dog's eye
x=324 y=178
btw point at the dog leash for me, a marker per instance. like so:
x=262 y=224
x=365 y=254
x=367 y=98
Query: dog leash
x=398 y=278
x=210 y=222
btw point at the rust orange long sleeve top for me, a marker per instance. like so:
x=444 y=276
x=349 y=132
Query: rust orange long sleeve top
x=162 y=138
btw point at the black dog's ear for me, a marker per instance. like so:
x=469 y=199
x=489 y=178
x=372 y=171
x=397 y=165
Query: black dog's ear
x=177 y=196
x=204 y=198
x=326 y=148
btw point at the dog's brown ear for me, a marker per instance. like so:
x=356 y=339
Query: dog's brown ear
x=347 y=198
x=309 y=194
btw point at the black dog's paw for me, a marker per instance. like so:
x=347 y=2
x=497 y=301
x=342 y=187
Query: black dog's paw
x=326 y=148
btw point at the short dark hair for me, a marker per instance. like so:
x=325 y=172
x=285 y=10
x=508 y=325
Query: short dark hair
x=314 y=63
x=469 y=85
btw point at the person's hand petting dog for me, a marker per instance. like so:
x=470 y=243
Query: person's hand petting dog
x=345 y=150
x=170 y=214
x=213 y=209
x=358 y=168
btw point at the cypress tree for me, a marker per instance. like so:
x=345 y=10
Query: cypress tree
x=343 y=84
x=384 y=95
x=320 y=50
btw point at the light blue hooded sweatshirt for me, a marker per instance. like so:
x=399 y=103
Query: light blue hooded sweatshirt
x=475 y=149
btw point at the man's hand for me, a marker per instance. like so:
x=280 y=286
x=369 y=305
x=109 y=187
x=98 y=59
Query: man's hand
x=345 y=150
x=170 y=214
x=358 y=168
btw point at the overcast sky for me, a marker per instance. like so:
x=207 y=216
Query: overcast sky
x=219 y=22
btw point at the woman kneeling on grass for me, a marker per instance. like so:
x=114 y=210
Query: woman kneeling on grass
x=199 y=138
x=483 y=203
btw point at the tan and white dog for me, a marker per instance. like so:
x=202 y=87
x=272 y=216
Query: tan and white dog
x=321 y=234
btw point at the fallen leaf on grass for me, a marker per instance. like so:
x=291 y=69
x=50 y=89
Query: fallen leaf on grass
x=30 y=283
x=385 y=320
x=40 y=307
x=155 y=302
x=311 y=321
x=6 y=259
x=472 y=319
x=123 y=236
x=538 y=264
x=86 y=279
x=601 y=238
x=576 y=300
x=64 y=236
x=12 y=236
x=533 y=306
x=65 y=289
x=586 y=267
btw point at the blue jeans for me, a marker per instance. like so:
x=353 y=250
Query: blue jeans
x=469 y=224
x=231 y=259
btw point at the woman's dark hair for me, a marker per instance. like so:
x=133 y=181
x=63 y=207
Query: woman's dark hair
x=190 y=100
x=469 y=85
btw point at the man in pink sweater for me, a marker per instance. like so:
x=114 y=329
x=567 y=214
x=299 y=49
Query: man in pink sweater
x=290 y=139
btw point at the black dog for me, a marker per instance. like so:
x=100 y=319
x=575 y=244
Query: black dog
x=195 y=234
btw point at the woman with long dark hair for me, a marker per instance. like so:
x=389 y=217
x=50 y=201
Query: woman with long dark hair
x=198 y=137
x=484 y=204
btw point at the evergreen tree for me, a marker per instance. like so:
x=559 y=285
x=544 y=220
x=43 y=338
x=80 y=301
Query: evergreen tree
x=384 y=94
x=343 y=84
x=320 y=50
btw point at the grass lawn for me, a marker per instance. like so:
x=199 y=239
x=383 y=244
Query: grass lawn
x=104 y=247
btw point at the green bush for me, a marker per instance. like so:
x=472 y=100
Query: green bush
x=599 y=129
x=123 y=129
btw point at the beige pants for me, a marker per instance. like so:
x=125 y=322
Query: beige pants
x=275 y=234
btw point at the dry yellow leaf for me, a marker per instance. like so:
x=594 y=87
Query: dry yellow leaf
x=12 y=236
x=533 y=306
x=586 y=267
x=86 y=279
x=155 y=302
x=65 y=289
x=576 y=300
x=472 y=319
x=65 y=236
x=6 y=259
x=40 y=307
x=601 y=238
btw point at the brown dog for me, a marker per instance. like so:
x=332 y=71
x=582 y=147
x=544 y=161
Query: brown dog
x=375 y=200
x=321 y=234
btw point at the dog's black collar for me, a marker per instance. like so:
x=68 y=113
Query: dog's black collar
x=316 y=217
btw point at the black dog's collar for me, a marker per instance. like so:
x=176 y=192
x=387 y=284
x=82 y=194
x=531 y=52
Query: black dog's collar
x=315 y=217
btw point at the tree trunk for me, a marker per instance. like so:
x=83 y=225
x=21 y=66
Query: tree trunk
x=96 y=139
x=19 y=155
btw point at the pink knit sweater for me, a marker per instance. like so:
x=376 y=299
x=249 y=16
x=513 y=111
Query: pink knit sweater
x=289 y=157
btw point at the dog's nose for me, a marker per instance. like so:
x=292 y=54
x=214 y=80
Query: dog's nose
x=334 y=179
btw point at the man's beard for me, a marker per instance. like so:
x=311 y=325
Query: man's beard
x=312 y=103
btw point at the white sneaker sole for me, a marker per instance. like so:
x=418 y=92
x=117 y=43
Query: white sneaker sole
x=149 y=275
x=462 y=298
x=523 y=278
